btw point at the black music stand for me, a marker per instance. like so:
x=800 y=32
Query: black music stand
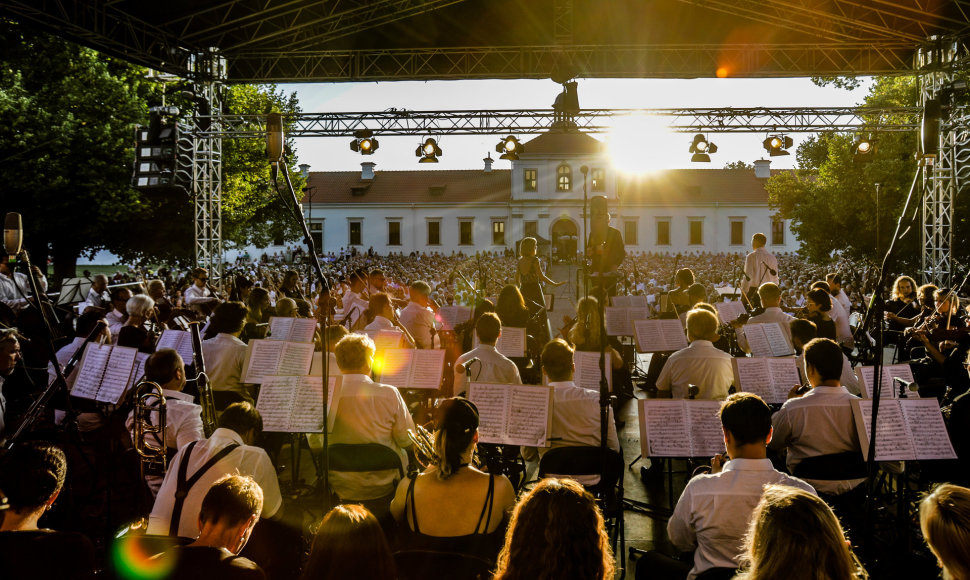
x=74 y=290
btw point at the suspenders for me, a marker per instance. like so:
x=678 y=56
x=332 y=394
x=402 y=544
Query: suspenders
x=183 y=485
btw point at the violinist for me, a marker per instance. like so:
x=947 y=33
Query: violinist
x=946 y=325
x=290 y=288
x=945 y=338
x=903 y=308
x=818 y=304
x=678 y=299
x=770 y=295
x=136 y=332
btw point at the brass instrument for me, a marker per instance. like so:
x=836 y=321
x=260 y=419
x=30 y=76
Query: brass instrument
x=149 y=399
x=423 y=442
x=202 y=382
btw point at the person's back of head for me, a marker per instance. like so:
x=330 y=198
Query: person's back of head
x=229 y=318
x=140 y=305
x=354 y=352
x=243 y=418
x=456 y=422
x=32 y=474
x=795 y=535
x=770 y=294
x=233 y=505
x=803 y=330
x=701 y=325
x=350 y=544
x=747 y=418
x=822 y=298
x=488 y=328
x=556 y=531
x=420 y=288
x=944 y=517
x=696 y=293
x=825 y=356
x=334 y=333
x=557 y=360
x=684 y=277
x=759 y=240
x=286 y=308
x=162 y=367
x=88 y=320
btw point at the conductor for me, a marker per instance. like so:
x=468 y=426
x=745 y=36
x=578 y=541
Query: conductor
x=760 y=266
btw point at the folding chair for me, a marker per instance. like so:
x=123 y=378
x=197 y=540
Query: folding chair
x=363 y=457
x=422 y=564
x=608 y=491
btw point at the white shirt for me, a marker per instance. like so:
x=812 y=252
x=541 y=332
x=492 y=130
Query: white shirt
x=576 y=418
x=245 y=460
x=420 y=322
x=771 y=314
x=380 y=323
x=225 y=356
x=369 y=412
x=843 y=331
x=491 y=367
x=13 y=290
x=713 y=513
x=818 y=423
x=843 y=299
x=115 y=320
x=754 y=267
x=98 y=299
x=195 y=295
x=701 y=364
x=183 y=420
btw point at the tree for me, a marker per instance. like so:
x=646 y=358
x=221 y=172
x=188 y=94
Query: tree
x=831 y=197
x=739 y=165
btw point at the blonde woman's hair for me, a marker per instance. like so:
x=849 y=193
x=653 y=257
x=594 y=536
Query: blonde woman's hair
x=530 y=243
x=795 y=535
x=587 y=308
x=944 y=517
x=354 y=351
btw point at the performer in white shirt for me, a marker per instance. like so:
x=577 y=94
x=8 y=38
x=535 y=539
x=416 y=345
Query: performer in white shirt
x=239 y=426
x=834 y=280
x=760 y=266
x=484 y=363
x=98 y=293
x=820 y=422
x=770 y=295
x=198 y=296
x=15 y=287
x=381 y=314
x=701 y=363
x=225 y=353
x=367 y=412
x=803 y=332
x=712 y=515
x=118 y=315
x=419 y=315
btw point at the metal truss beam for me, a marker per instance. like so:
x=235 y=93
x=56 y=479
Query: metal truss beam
x=724 y=120
x=889 y=57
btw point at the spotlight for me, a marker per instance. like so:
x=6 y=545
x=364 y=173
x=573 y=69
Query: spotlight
x=777 y=145
x=510 y=148
x=428 y=151
x=364 y=142
x=700 y=148
x=864 y=145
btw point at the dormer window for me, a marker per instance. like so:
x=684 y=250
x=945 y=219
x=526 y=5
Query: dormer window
x=564 y=178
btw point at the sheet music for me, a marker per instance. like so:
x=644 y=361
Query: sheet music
x=275 y=402
x=280 y=327
x=427 y=369
x=587 y=373
x=396 y=367
x=620 y=301
x=757 y=340
x=673 y=334
x=894 y=442
x=617 y=322
x=752 y=375
x=659 y=335
x=452 y=316
x=784 y=376
x=180 y=341
x=139 y=370
x=492 y=401
x=663 y=428
x=729 y=311
x=316 y=365
x=117 y=373
x=91 y=370
x=529 y=415
x=638 y=313
x=638 y=302
x=387 y=339
x=706 y=436
x=292 y=329
x=295 y=358
x=263 y=359
x=293 y=404
x=889 y=390
x=780 y=345
x=511 y=342
x=930 y=438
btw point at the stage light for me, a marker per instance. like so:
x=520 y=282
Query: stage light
x=428 y=151
x=510 y=148
x=777 y=145
x=864 y=145
x=701 y=148
x=364 y=142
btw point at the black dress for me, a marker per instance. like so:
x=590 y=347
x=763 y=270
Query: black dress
x=45 y=554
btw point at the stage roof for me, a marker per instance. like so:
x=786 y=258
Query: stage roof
x=347 y=40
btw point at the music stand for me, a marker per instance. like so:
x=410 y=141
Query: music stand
x=74 y=290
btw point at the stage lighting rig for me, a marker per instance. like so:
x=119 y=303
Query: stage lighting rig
x=428 y=151
x=864 y=145
x=510 y=148
x=777 y=145
x=701 y=148
x=364 y=142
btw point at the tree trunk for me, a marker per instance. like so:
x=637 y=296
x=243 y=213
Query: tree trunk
x=65 y=262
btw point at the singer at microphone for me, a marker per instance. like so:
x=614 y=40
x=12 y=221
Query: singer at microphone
x=760 y=266
x=491 y=366
x=14 y=286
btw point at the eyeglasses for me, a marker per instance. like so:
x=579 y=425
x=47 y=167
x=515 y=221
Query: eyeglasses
x=204 y=279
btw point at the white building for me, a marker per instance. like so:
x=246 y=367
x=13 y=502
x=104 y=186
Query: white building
x=684 y=210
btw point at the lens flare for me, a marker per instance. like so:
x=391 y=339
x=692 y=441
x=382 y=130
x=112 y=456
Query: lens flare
x=642 y=144
x=135 y=558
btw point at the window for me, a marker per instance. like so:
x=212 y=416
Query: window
x=530 y=180
x=663 y=232
x=695 y=232
x=355 y=233
x=599 y=180
x=465 y=233
x=564 y=178
x=737 y=232
x=434 y=233
x=316 y=234
x=778 y=232
x=393 y=233
x=498 y=233
x=630 y=232
x=531 y=229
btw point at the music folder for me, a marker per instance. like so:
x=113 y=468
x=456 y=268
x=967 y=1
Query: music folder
x=664 y=335
x=294 y=404
x=409 y=368
x=680 y=428
x=513 y=414
x=907 y=429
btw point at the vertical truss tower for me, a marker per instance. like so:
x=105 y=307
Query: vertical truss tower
x=209 y=72
x=941 y=62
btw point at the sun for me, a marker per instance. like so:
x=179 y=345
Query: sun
x=641 y=143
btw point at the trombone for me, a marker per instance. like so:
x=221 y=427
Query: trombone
x=149 y=399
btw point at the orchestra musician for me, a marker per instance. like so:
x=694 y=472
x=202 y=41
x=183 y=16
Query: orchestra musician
x=419 y=315
x=15 y=287
x=225 y=354
x=818 y=304
x=484 y=363
x=678 y=300
x=290 y=288
x=701 y=363
x=382 y=316
x=529 y=277
x=119 y=310
x=139 y=331
x=199 y=296
x=604 y=248
x=770 y=295
x=760 y=266
x=903 y=308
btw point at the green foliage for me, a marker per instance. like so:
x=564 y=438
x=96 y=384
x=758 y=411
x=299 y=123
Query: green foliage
x=831 y=197
x=847 y=83
x=739 y=165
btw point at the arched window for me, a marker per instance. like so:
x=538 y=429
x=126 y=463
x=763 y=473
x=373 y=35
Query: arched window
x=564 y=178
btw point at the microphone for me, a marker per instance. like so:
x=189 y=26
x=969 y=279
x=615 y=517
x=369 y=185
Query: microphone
x=770 y=269
x=13 y=235
x=274 y=138
x=584 y=169
x=466 y=367
x=905 y=385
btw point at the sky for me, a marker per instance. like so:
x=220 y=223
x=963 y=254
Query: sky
x=664 y=150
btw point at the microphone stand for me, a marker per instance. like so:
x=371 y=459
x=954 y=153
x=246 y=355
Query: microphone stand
x=38 y=406
x=292 y=204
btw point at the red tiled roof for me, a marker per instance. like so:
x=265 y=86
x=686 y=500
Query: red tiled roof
x=447 y=186
x=563 y=143
x=702 y=186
